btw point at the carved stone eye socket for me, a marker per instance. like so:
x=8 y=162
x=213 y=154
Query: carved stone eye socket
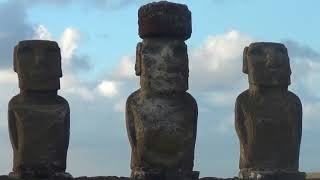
x=255 y=51
x=282 y=50
x=52 y=50
x=147 y=60
x=150 y=50
x=179 y=50
x=25 y=50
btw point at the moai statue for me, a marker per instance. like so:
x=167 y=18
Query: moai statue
x=39 y=119
x=161 y=117
x=268 y=117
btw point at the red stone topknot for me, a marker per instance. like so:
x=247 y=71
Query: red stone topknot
x=164 y=19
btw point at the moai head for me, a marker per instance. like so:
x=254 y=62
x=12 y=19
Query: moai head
x=161 y=58
x=267 y=64
x=38 y=65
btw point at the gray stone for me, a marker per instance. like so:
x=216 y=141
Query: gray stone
x=39 y=119
x=268 y=117
x=78 y=178
x=213 y=178
x=161 y=116
x=102 y=178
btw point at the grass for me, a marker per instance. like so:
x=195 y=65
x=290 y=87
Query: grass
x=313 y=175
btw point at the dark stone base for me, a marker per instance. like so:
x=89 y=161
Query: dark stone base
x=119 y=178
x=126 y=178
x=276 y=175
x=103 y=178
x=212 y=178
x=165 y=175
x=78 y=178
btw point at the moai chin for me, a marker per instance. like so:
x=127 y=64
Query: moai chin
x=39 y=119
x=268 y=117
x=161 y=117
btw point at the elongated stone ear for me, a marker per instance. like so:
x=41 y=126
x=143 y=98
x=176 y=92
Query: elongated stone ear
x=286 y=49
x=138 y=59
x=60 y=58
x=245 y=64
x=290 y=72
x=15 y=58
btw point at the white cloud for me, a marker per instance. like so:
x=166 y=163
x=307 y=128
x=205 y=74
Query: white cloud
x=99 y=4
x=108 y=88
x=120 y=105
x=13 y=28
x=221 y=98
x=83 y=92
x=311 y=77
x=8 y=76
x=3 y=35
x=3 y=121
x=218 y=59
x=226 y=125
x=70 y=84
x=69 y=42
x=41 y=32
x=311 y=114
x=8 y=88
x=221 y=50
x=125 y=69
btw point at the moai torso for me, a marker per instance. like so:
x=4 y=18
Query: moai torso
x=161 y=116
x=272 y=128
x=165 y=131
x=268 y=117
x=39 y=128
x=39 y=119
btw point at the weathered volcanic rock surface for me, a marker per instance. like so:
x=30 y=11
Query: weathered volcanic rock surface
x=103 y=178
x=212 y=178
x=125 y=178
x=116 y=178
x=80 y=178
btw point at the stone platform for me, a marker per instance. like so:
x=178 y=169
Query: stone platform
x=115 y=178
x=126 y=178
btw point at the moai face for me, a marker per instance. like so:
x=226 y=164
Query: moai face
x=162 y=65
x=38 y=64
x=267 y=64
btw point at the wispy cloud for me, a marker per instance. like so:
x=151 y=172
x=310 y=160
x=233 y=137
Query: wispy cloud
x=96 y=4
x=13 y=28
x=298 y=50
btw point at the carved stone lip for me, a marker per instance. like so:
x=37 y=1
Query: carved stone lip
x=274 y=69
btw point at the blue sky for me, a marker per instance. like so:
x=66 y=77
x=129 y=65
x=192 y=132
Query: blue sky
x=266 y=20
x=98 y=40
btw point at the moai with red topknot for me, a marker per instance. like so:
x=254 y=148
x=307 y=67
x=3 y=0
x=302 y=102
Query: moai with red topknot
x=161 y=117
x=39 y=119
x=268 y=117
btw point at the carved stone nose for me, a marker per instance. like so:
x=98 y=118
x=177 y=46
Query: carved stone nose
x=166 y=52
x=39 y=59
x=273 y=62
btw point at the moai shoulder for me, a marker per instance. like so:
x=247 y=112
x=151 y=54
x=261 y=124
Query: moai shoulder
x=161 y=117
x=38 y=118
x=268 y=117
